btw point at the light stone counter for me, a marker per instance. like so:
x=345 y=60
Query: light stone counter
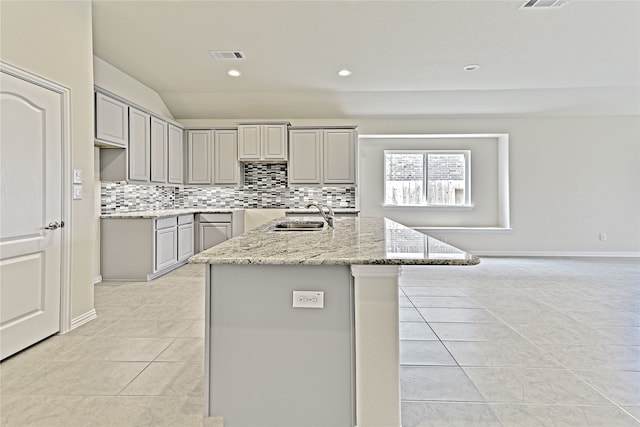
x=354 y=241
x=163 y=213
x=269 y=361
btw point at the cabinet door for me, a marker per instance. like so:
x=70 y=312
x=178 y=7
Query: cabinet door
x=226 y=169
x=112 y=121
x=176 y=155
x=274 y=142
x=166 y=247
x=211 y=234
x=305 y=156
x=249 y=142
x=199 y=157
x=139 y=142
x=185 y=241
x=159 y=150
x=339 y=161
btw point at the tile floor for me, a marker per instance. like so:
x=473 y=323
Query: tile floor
x=511 y=342
x=521 y=342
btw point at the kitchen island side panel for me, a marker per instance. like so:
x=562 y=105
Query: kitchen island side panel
x=270 y=364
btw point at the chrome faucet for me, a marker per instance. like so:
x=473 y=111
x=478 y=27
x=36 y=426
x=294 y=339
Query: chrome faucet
x=327 y=217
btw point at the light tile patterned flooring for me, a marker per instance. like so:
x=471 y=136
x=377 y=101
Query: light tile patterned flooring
x=511 y=342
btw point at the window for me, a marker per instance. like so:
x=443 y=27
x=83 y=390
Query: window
x=427 y=177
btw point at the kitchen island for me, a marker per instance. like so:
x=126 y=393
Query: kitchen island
x=268 y=363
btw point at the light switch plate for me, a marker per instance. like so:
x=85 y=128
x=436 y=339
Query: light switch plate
x=77 y=176
x=77 y=192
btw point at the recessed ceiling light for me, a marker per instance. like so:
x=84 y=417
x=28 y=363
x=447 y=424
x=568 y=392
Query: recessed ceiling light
x=344 y=73
x=471 y=67
x=234 y=73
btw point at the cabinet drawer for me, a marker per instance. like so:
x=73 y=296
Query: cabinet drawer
x=185 y=219
x=216 y=217
x=162 y=223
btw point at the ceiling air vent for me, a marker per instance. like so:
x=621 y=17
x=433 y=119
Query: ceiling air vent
x=544 y=4
x=227 y=54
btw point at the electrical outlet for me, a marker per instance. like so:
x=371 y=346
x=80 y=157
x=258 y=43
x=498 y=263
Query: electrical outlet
x=603 y=236
x=308 y=299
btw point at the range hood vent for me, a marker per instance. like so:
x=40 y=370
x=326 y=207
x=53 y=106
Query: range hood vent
x=227 y=54
x=544 y=4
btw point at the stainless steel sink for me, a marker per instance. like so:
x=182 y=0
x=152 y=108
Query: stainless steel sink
x=298 y=226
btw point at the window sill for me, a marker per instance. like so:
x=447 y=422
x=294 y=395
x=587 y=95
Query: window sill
x=428 y=207
x=427 y=230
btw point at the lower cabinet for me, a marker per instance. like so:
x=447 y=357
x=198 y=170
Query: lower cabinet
x=141 y=249
x=212 y=234
x=215 y=228
x=185 y=237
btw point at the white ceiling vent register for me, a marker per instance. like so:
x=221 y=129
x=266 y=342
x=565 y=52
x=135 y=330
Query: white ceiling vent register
x=544 y=4
x=227 y=54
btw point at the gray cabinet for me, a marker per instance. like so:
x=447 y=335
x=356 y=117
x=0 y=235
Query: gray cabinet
x=175 y=174
x=262 y=142
x=139 y=145
x=305 y=157
x=322 y=156
x=211 y=234
x=215 y=228
x=212 y=157
x=111 y=122
x=166 y=253
x=199 y=157
x=136 y=145
x=185 y=247
x=226 y=168
x=140 y=249
x=159 y=150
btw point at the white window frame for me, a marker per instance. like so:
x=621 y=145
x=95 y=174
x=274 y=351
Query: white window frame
x=467 y=178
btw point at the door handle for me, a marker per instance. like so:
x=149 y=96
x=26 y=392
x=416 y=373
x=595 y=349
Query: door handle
x=54 y=225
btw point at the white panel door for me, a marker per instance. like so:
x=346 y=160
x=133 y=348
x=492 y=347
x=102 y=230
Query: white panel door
x=31 y=199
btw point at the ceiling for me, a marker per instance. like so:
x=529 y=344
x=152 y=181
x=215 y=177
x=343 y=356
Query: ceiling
x=407 y=57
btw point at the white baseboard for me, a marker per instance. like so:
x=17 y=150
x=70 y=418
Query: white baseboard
x=481 y=253
x=82 y=319
x=97 y=279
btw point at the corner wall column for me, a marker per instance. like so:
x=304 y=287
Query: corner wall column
x=377 y=345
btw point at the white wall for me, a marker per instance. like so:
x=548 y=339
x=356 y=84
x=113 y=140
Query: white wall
x=54 y=40
x=571 y=178
x=114 y=80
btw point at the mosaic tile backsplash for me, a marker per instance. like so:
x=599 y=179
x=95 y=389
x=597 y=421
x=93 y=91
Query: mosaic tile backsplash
x=265 y=186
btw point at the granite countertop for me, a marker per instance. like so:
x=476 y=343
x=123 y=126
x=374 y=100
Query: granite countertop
x=354 y=241
x=312 y=211
x=173 y=212
x=166 y=213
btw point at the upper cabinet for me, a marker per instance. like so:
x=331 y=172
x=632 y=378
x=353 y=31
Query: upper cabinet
x=152 y=148
x=212 y=157
x=111 y=121
x=199 y=156
x=262 y=142
x=175 y=172
x=322 y=156
x=159 y=150
x=139 y=145
x=226 y=169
